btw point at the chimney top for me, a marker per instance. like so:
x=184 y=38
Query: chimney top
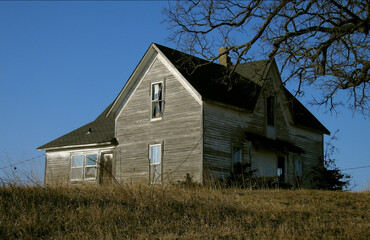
x=224 y=59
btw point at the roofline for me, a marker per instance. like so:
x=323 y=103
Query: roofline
x=123 y=90
x=151 y=51
x=196 y=95
x=77 y=146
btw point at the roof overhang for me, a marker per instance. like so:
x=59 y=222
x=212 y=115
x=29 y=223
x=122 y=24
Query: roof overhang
x=104 y=144
x=273 y=144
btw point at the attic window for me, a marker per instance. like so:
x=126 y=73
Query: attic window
x=270 y=110
x=157 y=100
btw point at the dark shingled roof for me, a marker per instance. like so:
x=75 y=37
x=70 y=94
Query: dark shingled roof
x=213 y=82
x=241 y=89
x=101 y=130
x=301 y=116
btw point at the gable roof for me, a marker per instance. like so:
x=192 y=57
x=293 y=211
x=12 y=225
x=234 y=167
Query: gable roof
x=301 y=116
x=100 y=131
x=241 y=89
x=212 y=81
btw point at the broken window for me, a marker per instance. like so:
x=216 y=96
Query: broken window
x=270 y=110
x=84 y=167
x=155 y=155
x=157 y=100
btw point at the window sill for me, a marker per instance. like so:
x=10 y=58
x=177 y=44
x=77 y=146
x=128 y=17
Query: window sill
x=155 y=119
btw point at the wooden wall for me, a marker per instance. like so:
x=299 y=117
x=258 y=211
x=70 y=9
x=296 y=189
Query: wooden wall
x=179 y=131
x=58 y=165
x=225 y=126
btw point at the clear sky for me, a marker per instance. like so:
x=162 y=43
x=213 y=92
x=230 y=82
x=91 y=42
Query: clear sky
x=62 y=63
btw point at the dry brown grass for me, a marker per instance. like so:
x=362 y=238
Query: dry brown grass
x=141 y=212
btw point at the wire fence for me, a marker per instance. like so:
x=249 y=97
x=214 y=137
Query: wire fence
x=13 y=165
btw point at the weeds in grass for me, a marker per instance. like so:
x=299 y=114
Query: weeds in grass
x=172 y=212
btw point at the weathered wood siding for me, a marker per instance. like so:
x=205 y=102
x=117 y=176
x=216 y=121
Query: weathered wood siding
x=58 y=165
x=225 y=125
x=57 y=168
x=179 y=131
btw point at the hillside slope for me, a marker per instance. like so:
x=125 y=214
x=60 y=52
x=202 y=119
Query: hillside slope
x=141 y=212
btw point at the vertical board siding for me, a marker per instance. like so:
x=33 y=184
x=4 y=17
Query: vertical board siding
x=179 y=131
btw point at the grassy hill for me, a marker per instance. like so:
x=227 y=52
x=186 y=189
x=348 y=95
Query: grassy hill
x=141 y=212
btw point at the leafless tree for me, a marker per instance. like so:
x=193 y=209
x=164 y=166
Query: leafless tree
x=318 y=43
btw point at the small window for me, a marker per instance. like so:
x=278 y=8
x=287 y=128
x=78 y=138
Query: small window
x=270 y=110
x=237 y=158
x=155 y=155
x=237 y=155
x=298 y=167
x=84 y=167
x=157 y=100
x=281 y=168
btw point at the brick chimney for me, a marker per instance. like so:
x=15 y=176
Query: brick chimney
x=224 y=59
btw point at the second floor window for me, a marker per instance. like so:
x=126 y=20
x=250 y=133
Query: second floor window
x=270 y=111
x=157 y=100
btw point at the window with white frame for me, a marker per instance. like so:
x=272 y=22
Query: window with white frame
x=157 y=100
x=155 y=155
x=84 y=167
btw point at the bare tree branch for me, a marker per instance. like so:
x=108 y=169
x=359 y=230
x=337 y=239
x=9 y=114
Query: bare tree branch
x=318 y=43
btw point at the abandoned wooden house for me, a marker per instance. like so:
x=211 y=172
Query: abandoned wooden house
x=180 y=115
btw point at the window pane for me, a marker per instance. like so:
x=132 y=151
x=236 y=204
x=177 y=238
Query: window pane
x=90 y=172
x=91 y=160
x=155 y=154
x=298 y=167
x=156 y=110
x=77 y=161
x=155 y=173
x=76 y=173
x=237 y=155
x=157 y=91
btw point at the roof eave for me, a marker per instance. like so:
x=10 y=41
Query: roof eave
x=105 y=144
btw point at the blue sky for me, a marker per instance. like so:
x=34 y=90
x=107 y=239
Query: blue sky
x=62 y=63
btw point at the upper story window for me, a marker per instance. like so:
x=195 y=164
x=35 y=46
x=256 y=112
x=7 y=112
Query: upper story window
x=157 y=100
x=84 y=167
x=270 y=110
x=270 y=117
